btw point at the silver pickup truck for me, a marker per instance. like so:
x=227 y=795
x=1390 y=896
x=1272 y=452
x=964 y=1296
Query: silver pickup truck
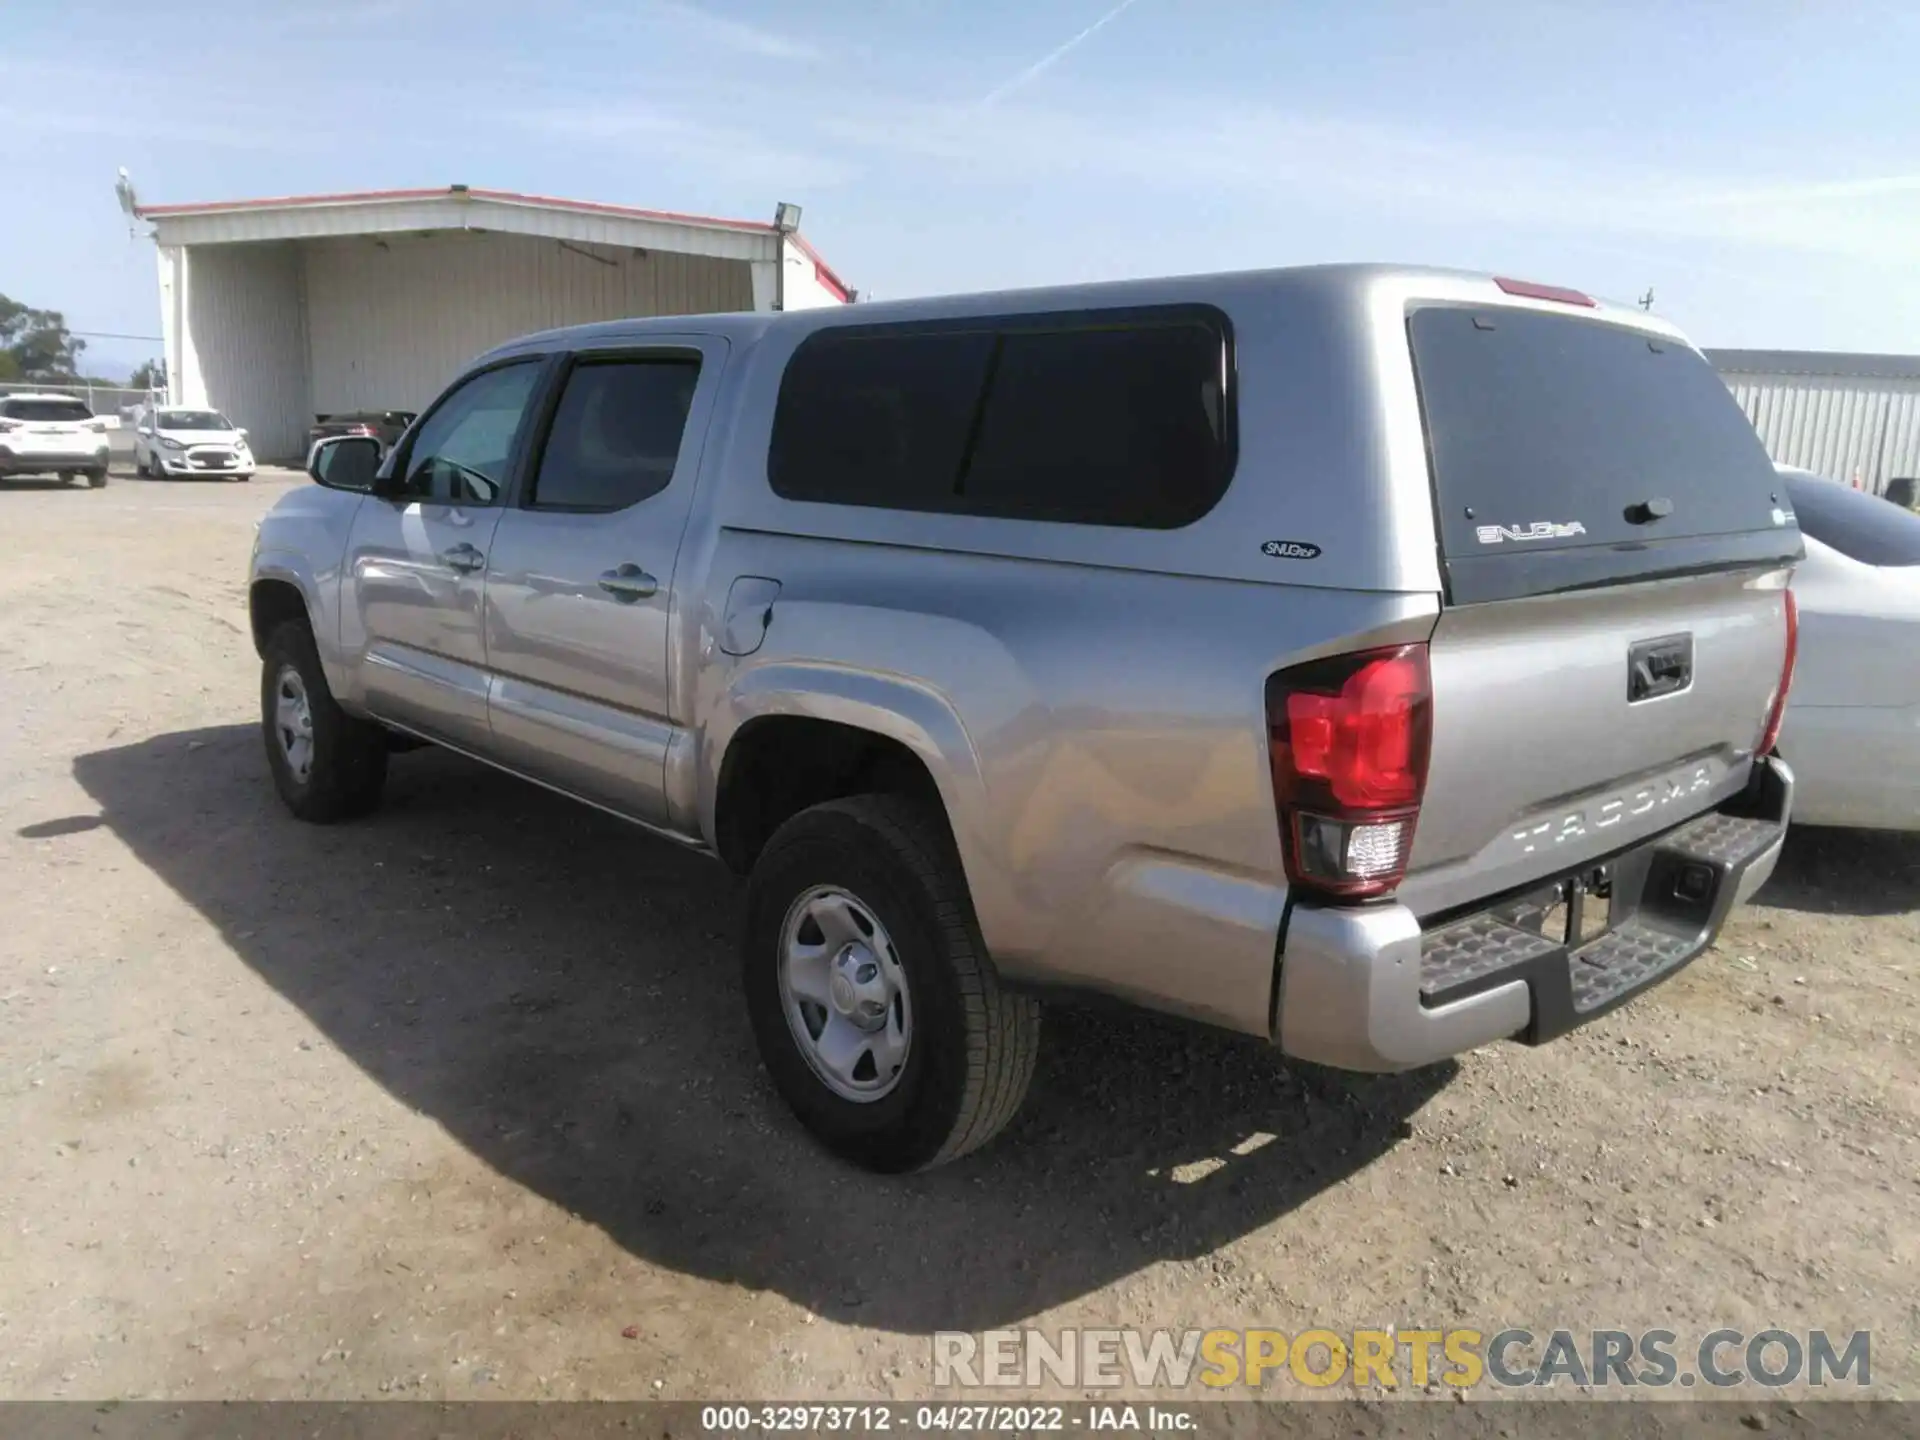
x=1378 y=661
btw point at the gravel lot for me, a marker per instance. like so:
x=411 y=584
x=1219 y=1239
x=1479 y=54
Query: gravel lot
x=461 y=1102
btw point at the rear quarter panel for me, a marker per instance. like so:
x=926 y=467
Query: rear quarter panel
x=1098 y=738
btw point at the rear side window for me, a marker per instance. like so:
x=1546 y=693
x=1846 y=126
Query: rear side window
x=1860 y=526
x=616 y=434
x=878 y=418
x=46 y=412
x=1102 y=418
x=1568 y=452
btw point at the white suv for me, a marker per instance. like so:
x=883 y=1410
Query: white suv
x=51 y=435
x=173 y=442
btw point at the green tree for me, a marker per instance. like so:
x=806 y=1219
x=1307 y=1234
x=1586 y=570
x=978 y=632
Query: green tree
x=152 y=375
x=36 y=344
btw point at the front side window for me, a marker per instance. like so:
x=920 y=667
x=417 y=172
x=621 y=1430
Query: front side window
x=616 y=433
x=1116 y=418
x=462 y=451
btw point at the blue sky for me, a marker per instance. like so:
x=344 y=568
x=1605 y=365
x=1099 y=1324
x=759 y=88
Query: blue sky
x=1757 y=164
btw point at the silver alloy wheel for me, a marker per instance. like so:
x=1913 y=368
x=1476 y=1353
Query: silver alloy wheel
x=293 y=722
x=844 y=994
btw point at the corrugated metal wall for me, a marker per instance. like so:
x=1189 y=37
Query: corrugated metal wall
x=249 y=341
x=393 y=319
x=1842 y=427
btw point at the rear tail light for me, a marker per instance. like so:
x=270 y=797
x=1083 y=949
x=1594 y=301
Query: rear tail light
x=1777 y=706
x=1349 y=738
x=7 y=427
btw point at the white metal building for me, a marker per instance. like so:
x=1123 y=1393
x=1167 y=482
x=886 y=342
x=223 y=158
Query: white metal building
x=1853 y=418
x=274 y=311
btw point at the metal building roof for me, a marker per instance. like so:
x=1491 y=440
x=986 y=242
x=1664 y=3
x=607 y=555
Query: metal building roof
x=1834 y=363
x=462 y=207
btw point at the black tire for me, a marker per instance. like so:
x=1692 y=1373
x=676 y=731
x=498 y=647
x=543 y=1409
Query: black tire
x=973 y=1046
x=348 y=760
x=97 y=479
x=140 y=467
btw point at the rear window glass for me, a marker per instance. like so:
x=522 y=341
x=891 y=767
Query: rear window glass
x=1556 y=434
x=1860 y=526
x=1103 y=427
x=45 y=411
x=1102 y=418
x=877 y=419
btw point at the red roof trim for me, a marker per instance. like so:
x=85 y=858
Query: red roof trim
x=509 y=197
x=823 y=271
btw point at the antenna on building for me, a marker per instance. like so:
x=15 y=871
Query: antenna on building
x=129 y=202
x=1646 y=300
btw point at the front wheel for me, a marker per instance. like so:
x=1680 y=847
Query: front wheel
x=327 y=764
x=877 y=1012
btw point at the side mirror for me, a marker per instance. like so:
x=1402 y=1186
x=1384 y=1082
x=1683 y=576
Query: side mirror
x=345 y=462
x=241 y=432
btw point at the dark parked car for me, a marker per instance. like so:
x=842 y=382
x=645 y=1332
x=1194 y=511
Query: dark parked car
x=386 y=426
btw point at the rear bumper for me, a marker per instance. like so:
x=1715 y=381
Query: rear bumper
x=43 y=462
x=1368 y=988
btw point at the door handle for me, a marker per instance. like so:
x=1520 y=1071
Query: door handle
x=464 y=558
x=628 y=583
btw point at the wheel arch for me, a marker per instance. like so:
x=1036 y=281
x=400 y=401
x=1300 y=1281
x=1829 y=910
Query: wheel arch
x=791 y=736
x=274 y=597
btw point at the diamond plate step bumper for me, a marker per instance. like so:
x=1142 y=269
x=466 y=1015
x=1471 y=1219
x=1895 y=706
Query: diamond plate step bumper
x=1670 y=898
x=1367 y=988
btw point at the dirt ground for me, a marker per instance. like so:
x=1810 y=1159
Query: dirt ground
x=461 y=1101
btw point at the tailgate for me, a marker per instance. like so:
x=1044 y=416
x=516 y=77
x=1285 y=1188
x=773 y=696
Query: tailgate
x=1615 y=553
x=1543 y=760
x=54 y=439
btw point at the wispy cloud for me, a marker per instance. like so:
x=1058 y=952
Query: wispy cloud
x=344 y=14
x=726 y=155
x=1047 y=61
x=1816 y=191
x=1263 y=163
x=120 y=109
x=735 y=34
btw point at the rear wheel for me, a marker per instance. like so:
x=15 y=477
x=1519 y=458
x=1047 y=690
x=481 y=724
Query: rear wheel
x=97 y=478
x=327 y=765
x=877 y=1012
